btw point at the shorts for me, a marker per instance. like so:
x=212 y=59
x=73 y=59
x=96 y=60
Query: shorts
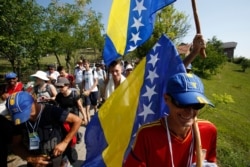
x=91 y=99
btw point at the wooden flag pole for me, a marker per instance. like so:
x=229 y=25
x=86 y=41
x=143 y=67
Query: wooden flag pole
x=197 y=25
x=198 y=147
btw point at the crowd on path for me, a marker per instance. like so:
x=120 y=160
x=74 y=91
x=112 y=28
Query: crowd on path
x=48 y=127
x=41 y=120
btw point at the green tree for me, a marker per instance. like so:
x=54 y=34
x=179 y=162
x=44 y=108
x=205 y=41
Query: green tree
x=245 y=63
x=214 y=60
x=18 y=30
x=93 y=31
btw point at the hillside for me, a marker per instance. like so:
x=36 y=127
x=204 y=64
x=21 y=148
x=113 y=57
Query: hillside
x=230 y=92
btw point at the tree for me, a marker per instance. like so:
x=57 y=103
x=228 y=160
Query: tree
x=214 y=60
x=18 y=30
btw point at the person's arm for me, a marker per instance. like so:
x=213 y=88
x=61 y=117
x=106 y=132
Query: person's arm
x=75 y=122
x=94 y=85
x=81 y=109
x=198 y=44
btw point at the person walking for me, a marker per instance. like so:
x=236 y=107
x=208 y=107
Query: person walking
x=90 y=90
x=44 y=91
x=115 y=77
x=170 y=140
x=101 y=85
x=38 y=138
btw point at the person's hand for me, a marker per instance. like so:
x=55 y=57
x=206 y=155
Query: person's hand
x=198 y=44
x=60 y=148
x=5 y=96
x=39 y=161
x=86 y=93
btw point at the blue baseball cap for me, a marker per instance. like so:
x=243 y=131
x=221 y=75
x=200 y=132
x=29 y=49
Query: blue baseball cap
x=19 y=105
x=187 y=89
x=10 y=75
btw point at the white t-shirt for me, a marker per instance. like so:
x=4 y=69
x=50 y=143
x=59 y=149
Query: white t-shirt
x=101 y=75
x=78 y=74
x=88 y=78
x=54 y=74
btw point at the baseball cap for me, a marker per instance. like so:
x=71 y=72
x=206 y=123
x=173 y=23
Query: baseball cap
x=19 y=105
x=62 y=81
x=10 y=75
x=187 y=89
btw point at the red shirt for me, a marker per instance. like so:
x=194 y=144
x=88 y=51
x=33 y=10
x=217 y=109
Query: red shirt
x=151 y=148
x=12 y=89
x=71 y=79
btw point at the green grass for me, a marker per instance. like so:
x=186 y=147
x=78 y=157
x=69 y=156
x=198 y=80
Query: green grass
x=232 y=119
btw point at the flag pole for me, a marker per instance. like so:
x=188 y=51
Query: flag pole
x=197 y=25
x=198 y=146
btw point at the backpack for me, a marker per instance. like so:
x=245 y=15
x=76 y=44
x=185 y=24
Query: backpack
x=47 y=89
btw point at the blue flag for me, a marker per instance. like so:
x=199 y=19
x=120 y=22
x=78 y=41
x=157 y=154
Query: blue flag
x=138 y=100
x=130 y=24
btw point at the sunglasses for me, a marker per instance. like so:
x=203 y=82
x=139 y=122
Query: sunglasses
x=60 y=86
x=196 y=106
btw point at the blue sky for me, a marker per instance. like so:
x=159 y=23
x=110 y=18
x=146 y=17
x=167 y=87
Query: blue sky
x=225 y=19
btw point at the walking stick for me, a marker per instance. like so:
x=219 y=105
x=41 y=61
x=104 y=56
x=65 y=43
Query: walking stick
x=197 y=25
x=198 y=146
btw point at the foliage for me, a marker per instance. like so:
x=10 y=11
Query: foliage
x=60 y=28
x=223 y=98
x=238 y=60
x=18 y=33
x=244 y=62
x=213 y=62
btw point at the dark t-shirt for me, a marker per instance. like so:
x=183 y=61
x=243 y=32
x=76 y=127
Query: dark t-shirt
x=49 y=129
x=69 y=102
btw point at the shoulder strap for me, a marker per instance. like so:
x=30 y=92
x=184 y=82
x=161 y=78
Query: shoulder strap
x=48 y=89
x=93 y=72
x=103 y=73
x=36 y=89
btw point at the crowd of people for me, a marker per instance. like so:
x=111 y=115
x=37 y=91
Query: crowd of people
x=53 y=90
x=42 y=123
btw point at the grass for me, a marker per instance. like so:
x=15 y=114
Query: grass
x=230 y=92
x=231 y=114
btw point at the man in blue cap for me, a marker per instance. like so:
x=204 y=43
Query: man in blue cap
x=12 y=85
x=38 y=136
x=171 y=141
x=6 y=126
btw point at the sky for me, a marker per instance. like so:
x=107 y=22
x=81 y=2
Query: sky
x=224 y=19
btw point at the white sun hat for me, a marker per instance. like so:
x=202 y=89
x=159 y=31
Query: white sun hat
x=41 y=74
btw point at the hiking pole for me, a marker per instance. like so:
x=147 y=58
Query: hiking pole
x=197 y=25
x=198 y=147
